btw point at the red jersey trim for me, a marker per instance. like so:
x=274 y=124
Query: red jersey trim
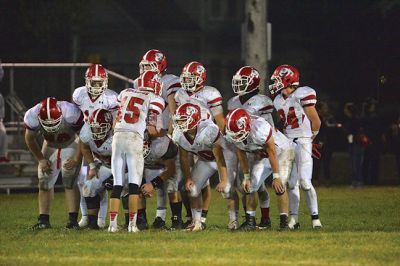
x=215 y=100
x=309 y=97
x=159 y=105
x=269 y=135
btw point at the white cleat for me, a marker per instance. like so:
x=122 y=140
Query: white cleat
x=233 y=225
x=316 y=224
x=198 y=226
x=293 y=224
x=113 y=228
x=133 y=229
x=101 y=223
x=84 y=221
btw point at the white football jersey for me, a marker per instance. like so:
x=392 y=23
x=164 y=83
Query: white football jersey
x=158 y=148
x=71 y=123
x=207 y=135
x=261 y=131
x=258 y=104
x=107 y=100
x=208 y=97
x=134 y=106
x=101 y=149
x=291 y=111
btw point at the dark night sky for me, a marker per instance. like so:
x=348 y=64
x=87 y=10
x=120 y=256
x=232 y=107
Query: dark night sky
x=341 y=47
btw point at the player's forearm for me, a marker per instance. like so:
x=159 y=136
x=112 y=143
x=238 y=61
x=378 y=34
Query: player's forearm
x=185 y=166
x=220 y=120
x=33 y=146
x=273 y=158
x=221 y=164
x=242 y=157
x=169 y=170
x=86 y=152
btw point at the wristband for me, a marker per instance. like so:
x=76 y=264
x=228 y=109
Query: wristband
x=275 y=176
x=92 y=166
x=246 y=176
x=157 y=182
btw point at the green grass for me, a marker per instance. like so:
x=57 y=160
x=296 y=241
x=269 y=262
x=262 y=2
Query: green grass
x=361 y=227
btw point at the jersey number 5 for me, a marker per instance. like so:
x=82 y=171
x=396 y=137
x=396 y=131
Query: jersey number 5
x=132 y=111
x=291 y=119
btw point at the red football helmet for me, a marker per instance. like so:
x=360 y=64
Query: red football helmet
x=153 y=60
x=150 y=81
x=284 y=76
x=187 y=116
x=100 y=123
x=96 y=79
x=193 y=76
x=237 y=125
x=245 y=80
x=50 y=115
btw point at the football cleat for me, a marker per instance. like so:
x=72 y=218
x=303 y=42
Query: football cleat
x=283 y=225
x=264 y=224
x=233 y=225
x=84 y=221
x=158 y=223
x=113 y=228
x=41 y=225
x=187 y=223
x=72 y=225
x=101 y=223
x=195 y=226
x=141 y=222
x=176 y=223
x=316 y=224
x=293 y=224
x=249 y=224
x=132 y=228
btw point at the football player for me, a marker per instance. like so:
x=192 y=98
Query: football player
x=58 y=122
x=301 y=123
x=93 y=96
x=95 y=145
x=193 y=78
x=195 y=132
x=138 y=109
x=155 y=60
x=159 y=170
x=261 y=150
x=246 y=84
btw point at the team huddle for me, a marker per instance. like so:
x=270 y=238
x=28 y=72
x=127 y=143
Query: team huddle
x=167 y=136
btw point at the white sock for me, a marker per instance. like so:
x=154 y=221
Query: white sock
x=251 y=213
x=294 y=200
x=203 y=219
x=161 y=213
x=83 y=206
x=312 y=202
x=196 y=214
x=232 y=215
x=103 y=205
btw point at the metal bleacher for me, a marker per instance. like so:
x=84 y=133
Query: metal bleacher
x=21 y=171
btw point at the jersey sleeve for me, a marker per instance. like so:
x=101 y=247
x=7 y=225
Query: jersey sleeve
x=31 y=119
x=210 y=134
x=173 y=85
x=77 y=96
x=72 y=115
x=85 y=135
x=306 y=96
x=262 y=131
x=157 y=105
x=181 y=96
x=231 y=104
x=112 y=100
x=214 y=101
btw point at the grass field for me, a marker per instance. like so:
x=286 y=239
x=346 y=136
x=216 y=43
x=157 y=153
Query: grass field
x=361 y=227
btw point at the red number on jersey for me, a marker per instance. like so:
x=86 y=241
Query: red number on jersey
x=291 y=119
x=132 y=112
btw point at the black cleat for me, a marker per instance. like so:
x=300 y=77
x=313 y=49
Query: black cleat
x=40 y=226
x=72 y=225
x=176 y=223
x=158 y=223
x=264 y=224
x=141 y=223
x=283 y=225
x=186 y=224
x=249 y=224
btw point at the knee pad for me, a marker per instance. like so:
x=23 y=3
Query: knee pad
x=305 y=184
x=116 y=192
x=68 y=179
x=125 y=201
x=133 y=189
x=93 y=202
